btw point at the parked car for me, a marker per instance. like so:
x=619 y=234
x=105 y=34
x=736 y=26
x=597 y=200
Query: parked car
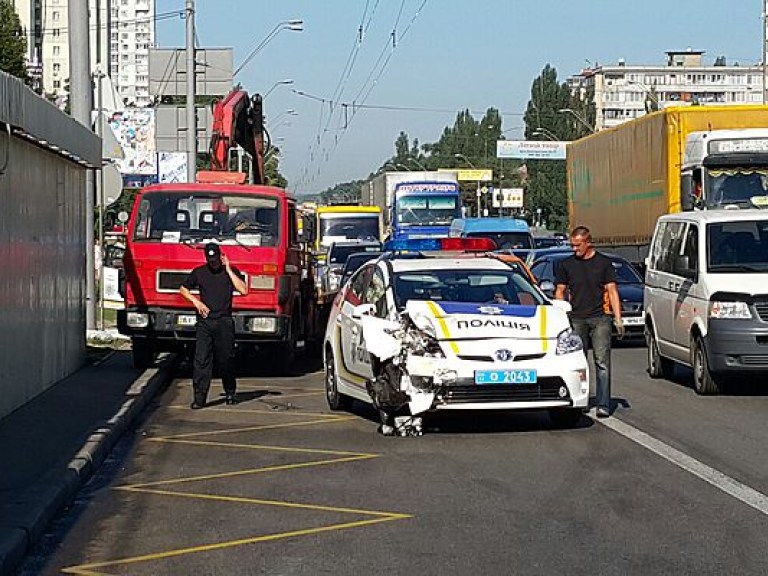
x=354 y=261
x=337 y=256
x=629 y=284
x=548 y=241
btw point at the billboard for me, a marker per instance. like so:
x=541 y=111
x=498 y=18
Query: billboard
x=508 y=198
x=134 y=129
x=531 y=149
x=171 y=167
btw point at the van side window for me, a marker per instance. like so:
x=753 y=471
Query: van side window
x=655 y=256
x=691 y=250
x=671 y=242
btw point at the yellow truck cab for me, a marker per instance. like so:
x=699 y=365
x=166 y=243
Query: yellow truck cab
x=348 y=222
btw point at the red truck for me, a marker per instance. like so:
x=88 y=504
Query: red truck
x=257 y=228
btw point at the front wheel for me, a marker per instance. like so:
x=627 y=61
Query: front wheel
x=703 y=381
x=336 y=400
x=658 y=366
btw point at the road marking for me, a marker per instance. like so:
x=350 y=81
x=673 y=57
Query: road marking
x=261 y=447
x=266 y=427
x=264 y=410
x=727 y=484
x=276 y=468
x=82 y=570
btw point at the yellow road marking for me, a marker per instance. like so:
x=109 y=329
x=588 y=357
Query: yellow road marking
x=236 y=473
x=231 y=544
x=543 y=327
x=262 y=410
x=438 y=314
x=260 y=447
x=278 y=503
x=265 y=427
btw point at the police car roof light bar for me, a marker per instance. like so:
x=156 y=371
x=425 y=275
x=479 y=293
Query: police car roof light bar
x=441 y=245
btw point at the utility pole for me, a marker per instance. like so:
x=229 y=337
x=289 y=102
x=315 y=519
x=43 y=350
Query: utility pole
x=765 y=52
x=191 y=111
x=81 y=101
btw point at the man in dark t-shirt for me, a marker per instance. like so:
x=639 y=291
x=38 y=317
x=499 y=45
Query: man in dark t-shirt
x=216 y=281
x=591 y=280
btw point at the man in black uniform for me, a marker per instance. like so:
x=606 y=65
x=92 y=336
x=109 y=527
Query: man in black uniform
x=215 y=328
x=591 y=280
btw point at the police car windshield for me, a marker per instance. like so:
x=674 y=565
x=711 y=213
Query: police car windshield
x=475 y=286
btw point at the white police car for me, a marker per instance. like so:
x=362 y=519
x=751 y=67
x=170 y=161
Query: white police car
x=419 y=330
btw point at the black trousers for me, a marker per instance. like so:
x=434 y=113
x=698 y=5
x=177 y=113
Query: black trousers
x=215 y=343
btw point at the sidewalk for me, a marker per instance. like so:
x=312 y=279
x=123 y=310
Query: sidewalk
x=52 y=445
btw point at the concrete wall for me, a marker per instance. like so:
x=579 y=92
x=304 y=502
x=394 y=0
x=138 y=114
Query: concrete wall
x=42 y=244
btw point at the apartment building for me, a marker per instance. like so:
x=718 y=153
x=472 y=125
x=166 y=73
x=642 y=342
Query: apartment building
x=131 y=35
x=623 y=91
x=31 y=17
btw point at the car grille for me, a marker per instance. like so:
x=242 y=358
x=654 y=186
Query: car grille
x=170 y=281
x=762 y=310
x=544 y=389
x=755 y=360
x=518 y=358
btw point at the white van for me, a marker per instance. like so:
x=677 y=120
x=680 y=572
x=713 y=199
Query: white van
x=706 y=295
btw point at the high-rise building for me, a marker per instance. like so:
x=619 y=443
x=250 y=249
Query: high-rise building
x=622 y=91
x=121 y=33
x=31 y=16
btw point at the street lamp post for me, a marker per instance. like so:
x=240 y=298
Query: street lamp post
x=275 y=85
x=578 y=117
x=289 y=112
x=419 y=164
x=293 y=25
x=546 y=133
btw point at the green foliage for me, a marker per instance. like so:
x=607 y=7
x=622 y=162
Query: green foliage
x=272 y=175
x=343 y=193
x=546 y=118
x=13 y=43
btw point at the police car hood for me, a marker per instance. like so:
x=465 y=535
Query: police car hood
x=472 y=321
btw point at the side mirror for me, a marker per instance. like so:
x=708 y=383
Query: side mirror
x=363 y=310
x=548 y=287
x=563 y=305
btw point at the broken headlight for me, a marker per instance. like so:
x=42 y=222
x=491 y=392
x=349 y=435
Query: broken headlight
x=422 y=338
x=567 y=342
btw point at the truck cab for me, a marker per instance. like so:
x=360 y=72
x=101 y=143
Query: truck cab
x=257 y=229
x=424 y=209
x=725 y=168
x=507 y=233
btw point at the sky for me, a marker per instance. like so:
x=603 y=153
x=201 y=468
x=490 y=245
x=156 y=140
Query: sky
x=447 y=56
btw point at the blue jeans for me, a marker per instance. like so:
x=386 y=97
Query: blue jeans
x=598 y=330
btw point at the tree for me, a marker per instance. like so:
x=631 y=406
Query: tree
x=13 y=43
x=553 y=112
x=272 y=175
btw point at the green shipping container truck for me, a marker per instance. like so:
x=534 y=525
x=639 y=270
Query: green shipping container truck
x=622 y=179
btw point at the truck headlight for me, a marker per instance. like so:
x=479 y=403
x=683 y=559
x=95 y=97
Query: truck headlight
x=262 y=324
x=731 y=310
x=567 y=342
x=137 y=320
x=333 y=282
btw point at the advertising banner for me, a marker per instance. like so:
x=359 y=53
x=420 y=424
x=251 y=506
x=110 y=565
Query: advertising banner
x=531 y=149
x=134 y=129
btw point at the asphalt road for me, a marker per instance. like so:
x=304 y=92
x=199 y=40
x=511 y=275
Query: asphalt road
x=278 y=485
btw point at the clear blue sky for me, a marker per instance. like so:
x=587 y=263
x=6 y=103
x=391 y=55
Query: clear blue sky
x=457 y=54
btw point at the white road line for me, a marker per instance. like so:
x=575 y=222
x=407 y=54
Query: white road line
x=749 y=496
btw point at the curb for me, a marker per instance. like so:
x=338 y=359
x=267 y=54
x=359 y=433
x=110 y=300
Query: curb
x=31 y=513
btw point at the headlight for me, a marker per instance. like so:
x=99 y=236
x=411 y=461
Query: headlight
x=262 y=324
x=333 y=282
x=733 y=310
x=137 y=320
x=567 y=342
x=425 y=325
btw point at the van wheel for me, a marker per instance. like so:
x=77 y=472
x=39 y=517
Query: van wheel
x=658 y=366
x=143 y=354
x=703 y=381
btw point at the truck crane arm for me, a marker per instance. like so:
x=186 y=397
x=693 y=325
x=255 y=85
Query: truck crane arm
x=238 y=120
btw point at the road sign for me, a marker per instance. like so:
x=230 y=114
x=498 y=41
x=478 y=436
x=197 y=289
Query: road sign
x=508 y=198
x=531 y=149
x=479 y=175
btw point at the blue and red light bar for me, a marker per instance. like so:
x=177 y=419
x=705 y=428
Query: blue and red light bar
x=441 y=245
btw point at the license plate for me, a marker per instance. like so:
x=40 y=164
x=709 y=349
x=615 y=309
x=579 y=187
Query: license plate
x=187 y=320
x=505 y=377
x=635 y=321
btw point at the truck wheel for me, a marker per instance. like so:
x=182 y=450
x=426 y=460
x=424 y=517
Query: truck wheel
x=336 y=400
x=703 y=381
x=143 y=354
x=658 y=366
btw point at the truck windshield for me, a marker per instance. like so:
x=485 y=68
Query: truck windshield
x=736 y=186
x=507 y=240
x=427 y=210
x=736 y=247
x=173 y=217
x=348 y=227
